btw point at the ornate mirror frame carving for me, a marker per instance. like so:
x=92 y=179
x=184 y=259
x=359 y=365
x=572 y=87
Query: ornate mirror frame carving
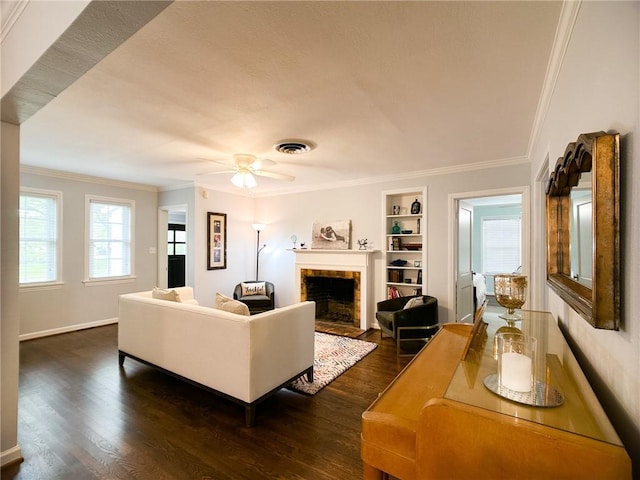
x=598 y=153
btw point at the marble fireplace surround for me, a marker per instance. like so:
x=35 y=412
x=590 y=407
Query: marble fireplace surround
x=343 y=264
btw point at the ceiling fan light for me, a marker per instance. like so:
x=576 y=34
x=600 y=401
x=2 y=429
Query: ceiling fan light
x=249 y=180
x=243 y=180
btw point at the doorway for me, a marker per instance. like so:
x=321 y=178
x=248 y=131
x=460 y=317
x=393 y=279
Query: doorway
x=176 y=255
x=173 y=246
x=489 y=231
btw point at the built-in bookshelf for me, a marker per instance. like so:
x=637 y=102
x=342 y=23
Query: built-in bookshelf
x=405 y=241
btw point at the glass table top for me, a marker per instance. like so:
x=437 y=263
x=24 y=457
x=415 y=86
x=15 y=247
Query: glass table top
x=555 y=365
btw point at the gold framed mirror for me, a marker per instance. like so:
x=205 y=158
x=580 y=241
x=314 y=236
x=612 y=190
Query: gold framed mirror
x=583 y=231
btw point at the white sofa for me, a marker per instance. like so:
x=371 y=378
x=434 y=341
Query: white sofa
x=243 y=358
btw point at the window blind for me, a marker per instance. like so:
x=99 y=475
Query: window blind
x=38 y=214
x=501 y=245
x=109 y=239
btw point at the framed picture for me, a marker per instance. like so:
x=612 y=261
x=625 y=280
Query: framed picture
x=331 y=235
x=216 y=241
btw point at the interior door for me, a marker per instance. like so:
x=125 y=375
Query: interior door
x=464 y=274
x=177 y=249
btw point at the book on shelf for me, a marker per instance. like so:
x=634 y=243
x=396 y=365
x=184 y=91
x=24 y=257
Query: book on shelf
x=396 y=276
x=394 y=292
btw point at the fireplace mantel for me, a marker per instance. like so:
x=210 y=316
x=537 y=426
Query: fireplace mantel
x=322 y=250
x=344 y=261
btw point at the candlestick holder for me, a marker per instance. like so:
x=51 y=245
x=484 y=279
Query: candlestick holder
x=511 y=293
x=516 y=376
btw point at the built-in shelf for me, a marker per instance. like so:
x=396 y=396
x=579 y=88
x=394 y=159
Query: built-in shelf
x=399 y=210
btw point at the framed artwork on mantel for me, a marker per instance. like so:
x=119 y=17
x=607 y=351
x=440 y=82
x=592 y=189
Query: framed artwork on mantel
x=331 y=235
x=216 y=241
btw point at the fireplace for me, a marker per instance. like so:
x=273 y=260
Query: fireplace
x=347 y=273
x=336 y=293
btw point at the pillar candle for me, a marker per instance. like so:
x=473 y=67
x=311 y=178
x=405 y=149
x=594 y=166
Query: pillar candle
x=516 y=372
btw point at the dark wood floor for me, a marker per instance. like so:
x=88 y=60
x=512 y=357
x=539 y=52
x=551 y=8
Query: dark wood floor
x=81 y=417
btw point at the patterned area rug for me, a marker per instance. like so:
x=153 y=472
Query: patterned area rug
x=334 y=355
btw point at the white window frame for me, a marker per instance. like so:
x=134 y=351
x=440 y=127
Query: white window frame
x=57 y=281
x=92 y=281
x=495 y=218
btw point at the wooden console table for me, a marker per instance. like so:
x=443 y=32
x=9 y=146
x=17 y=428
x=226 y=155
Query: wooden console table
x=438 y=420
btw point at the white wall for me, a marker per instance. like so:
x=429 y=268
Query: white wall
x=241 y=240
x=598 y=89
x=75 y=304
x=286 y=215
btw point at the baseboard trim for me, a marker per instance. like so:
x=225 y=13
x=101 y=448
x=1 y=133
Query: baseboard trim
x=13 y=455
x=70 y=328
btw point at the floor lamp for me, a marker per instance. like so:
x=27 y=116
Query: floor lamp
x=258 y=228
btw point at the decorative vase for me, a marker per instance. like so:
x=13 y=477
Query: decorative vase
x=396 y=228
x=415 y=207
x=510 y=291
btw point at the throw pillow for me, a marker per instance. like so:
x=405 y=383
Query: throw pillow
x=414 y=302
x=230 y=305
x=253 y=288
x=162 y=294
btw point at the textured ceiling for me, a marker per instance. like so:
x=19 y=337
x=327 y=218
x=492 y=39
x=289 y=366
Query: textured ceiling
x=382 y=88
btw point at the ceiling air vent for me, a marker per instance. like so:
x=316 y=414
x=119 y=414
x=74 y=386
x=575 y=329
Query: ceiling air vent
x=293 y=147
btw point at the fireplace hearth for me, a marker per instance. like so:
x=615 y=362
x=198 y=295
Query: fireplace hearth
x=346 y=273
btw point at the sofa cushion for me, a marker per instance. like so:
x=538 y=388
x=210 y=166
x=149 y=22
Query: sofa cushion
x=414 y=302
x=253 y=288
x=164 y=294
x=230 y=305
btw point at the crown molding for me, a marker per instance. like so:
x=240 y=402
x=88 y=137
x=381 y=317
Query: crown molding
x=78 y=177
x=468 y=167
x=10 y=19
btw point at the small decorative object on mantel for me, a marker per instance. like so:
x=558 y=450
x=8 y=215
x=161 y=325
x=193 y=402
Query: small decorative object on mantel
x=415 y=207
x=302 y=245
x=294 y=239
x=362 y=243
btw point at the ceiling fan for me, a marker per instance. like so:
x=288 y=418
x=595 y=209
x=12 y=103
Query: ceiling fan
x=245 y=166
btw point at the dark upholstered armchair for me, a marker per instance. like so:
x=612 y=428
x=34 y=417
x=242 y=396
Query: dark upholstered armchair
x=414 y=325
x=253 y=297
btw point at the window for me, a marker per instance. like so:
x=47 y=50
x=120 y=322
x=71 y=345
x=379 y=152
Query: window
x=177 y=239
x=40 y=238
x=109 y=238
x=501 y=245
